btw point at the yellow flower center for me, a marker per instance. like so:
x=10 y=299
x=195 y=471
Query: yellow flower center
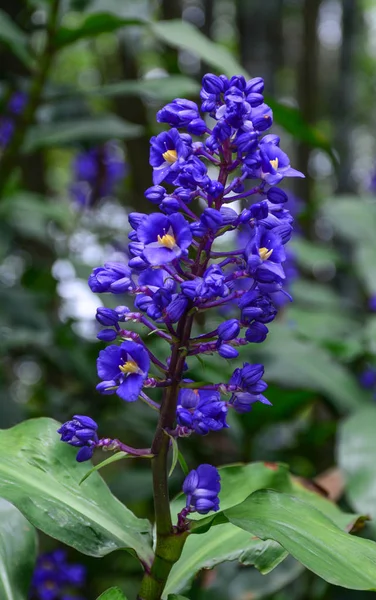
x=274 y=163
x=167 y=240
x=129 y=367
x=170 y=156
x=265 y=253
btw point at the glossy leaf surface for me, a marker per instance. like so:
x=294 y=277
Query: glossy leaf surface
x=39 y=475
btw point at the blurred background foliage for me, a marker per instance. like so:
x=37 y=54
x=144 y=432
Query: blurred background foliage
x=74 y=163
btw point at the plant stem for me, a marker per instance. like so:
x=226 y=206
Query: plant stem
x=9 y=159
x=169 y=544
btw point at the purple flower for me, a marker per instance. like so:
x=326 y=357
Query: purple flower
x=168 y=153
x=256 y=307
x=80 y=432
x=274 y=164
x=6 y=131
x=97 y=172
x=165 y=238
x=54 y=578
x=112 y=277
x=17 y=103
x=250 y=387
x=367 y=378
x=228 y=330
x=123 y=368
x=179 y=113
x=202 y=486
x=264 y=254
x=201 y=410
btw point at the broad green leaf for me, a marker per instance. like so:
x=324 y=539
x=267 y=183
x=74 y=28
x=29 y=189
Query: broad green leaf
x=92 y=25
x=13 y=37
x=18 y=550
x=40 y=476
x=176 y=597
x=219 y=544
x=97 y=128
x=309 y=536
x=356 y=451
x=225 y=542
x=184 y=35
x=113 y=593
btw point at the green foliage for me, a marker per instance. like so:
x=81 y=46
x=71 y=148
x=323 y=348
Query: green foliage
x=13 y=37
x=228 y=542
x=356 y=450
x=113 y=593
x=181 y=34
x=311 y=537
x=92 y=25
x=94 y=129
x=18 y=549
x=40 y=476
x=354 y=220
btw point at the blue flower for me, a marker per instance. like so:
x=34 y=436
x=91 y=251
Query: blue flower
x=272 y=164
x=97 y=172
x=123 y=368
x=178 y=113
x=264 y=254
x=202 y=486
x=80 y=432
x=168 y=153
x=256 y=307
x=112 y=277
x=201 y=410
x=54 y=577
x=250 y=387
x=165 y=238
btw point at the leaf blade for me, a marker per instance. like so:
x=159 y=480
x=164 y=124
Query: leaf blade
x=310 y=537
x=39 y=475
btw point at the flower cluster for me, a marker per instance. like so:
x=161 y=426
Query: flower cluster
x=56 y=579
x=14 y=108
x=97 y=172
x=177 y=269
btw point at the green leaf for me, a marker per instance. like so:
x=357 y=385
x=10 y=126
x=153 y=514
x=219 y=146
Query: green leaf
x=97 y=128
x=183 y=463
x=14 y=38
x=113 y=593
x=176 y=597
x=18 y=550
x=309 y=536
x=108 y=461
x=175 y=454
x=225 y=542
x=219 y=544
x=40 y=476
x=356 y=451
x=184 y=35
x=91 y=26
